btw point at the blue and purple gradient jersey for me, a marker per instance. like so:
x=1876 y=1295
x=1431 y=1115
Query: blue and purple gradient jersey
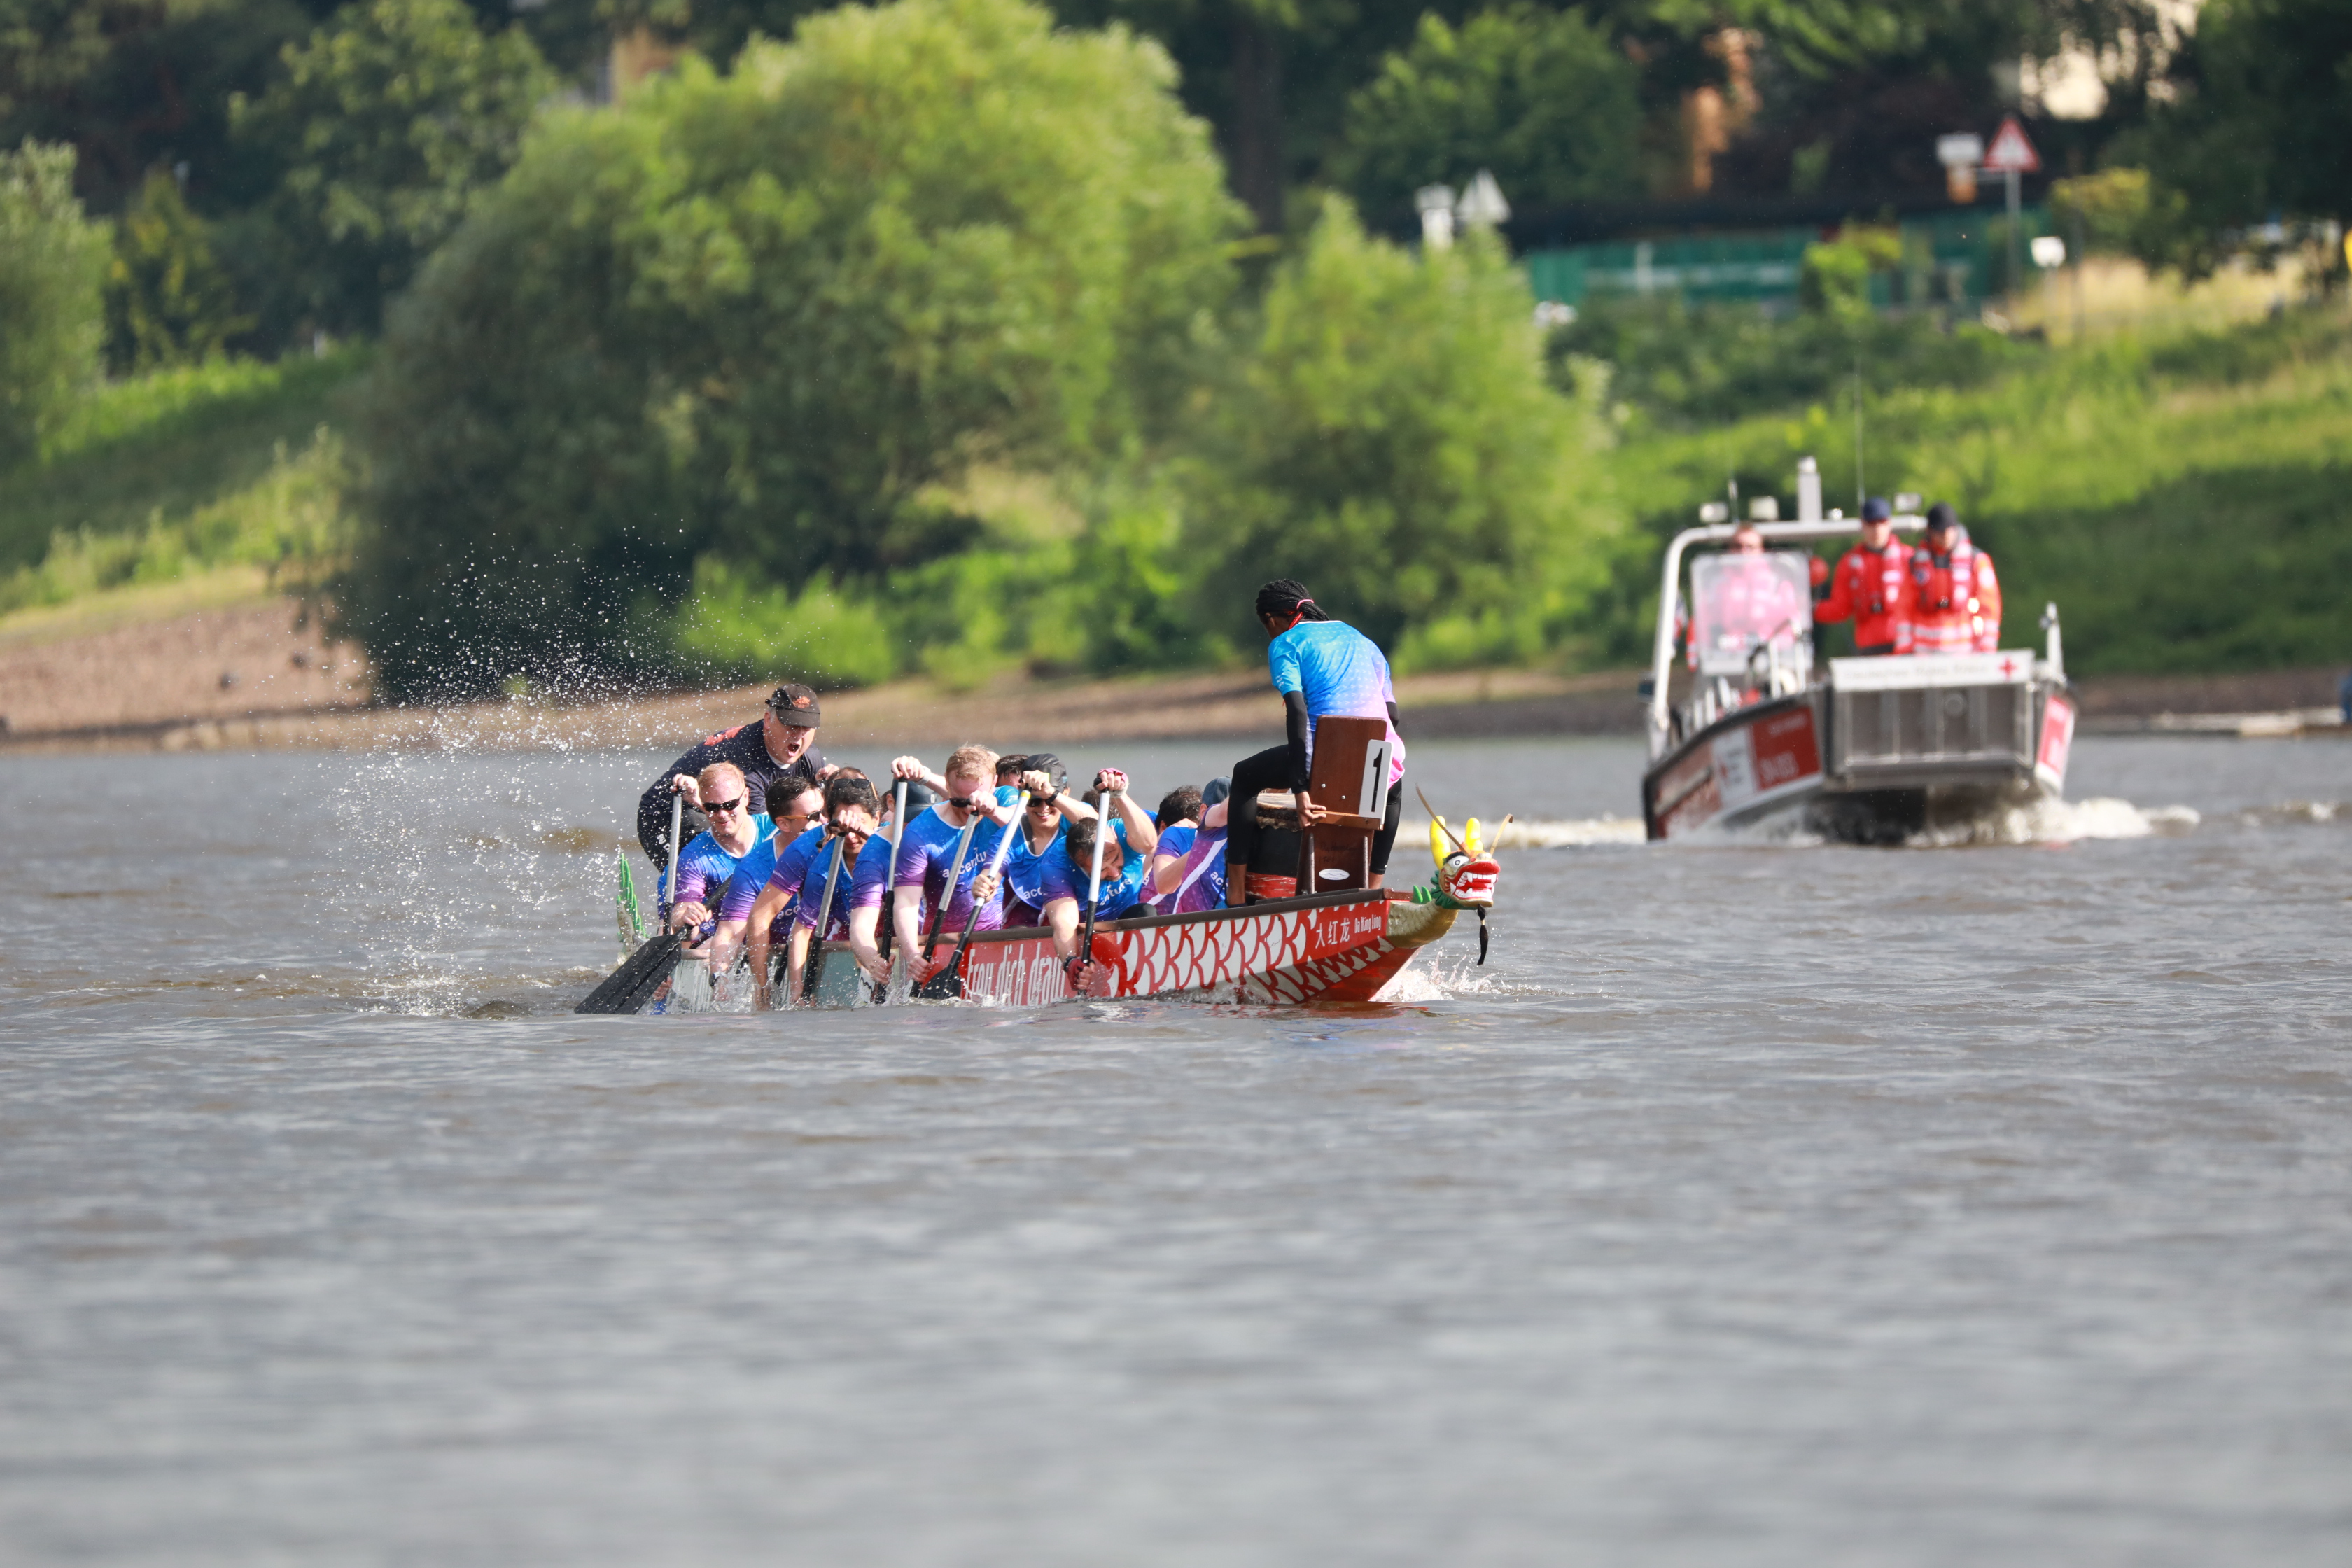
x=872 y=874
x=1200 y=879
x=750 y=875
x=789 y=863
x=812 y=886
x=1175 y=841
x=1063 y=877
x=1342 y=673
x=989 y=832
x=705 y=865
x=924 y=858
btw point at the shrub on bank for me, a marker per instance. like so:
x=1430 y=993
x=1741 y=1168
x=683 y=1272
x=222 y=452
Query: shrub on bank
x=52 y=321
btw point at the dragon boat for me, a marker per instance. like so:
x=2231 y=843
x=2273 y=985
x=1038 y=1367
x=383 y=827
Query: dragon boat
x=1863 y=751
x=1342 y=941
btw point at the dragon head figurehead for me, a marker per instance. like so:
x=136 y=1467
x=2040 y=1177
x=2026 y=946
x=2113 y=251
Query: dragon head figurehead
x=1467 y=882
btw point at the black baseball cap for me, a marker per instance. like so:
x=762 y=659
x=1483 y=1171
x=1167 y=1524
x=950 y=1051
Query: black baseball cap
x=1875 y=509
x=1052 y=766
x=794 y=704
x=1941 y=516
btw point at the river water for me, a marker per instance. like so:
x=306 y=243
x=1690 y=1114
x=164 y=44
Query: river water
x=1759 y=1203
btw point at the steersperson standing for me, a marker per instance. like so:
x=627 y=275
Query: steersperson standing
x=1954 y=595
x=1323 y=669
x=783 y=743
x=1871 y=586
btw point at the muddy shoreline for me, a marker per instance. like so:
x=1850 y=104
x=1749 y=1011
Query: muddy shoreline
x=192 y=684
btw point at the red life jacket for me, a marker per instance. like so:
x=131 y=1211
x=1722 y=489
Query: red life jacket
x=1872 y=587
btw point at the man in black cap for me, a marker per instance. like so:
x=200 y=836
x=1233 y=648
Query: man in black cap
x=781 y=747
x=1871 y=586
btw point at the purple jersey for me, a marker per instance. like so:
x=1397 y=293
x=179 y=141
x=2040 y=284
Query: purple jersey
x=704 y=866
x=924 y=860
x=1342 y=673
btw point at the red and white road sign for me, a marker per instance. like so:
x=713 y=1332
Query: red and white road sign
x=2010 y=150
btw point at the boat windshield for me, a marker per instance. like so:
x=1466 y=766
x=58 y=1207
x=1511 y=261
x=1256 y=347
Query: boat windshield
x=1740 y=603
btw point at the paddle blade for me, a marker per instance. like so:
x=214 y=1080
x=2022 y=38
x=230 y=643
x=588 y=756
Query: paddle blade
x=628 y=988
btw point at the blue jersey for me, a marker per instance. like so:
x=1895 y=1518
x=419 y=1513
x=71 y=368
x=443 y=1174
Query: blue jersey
x=924 y=860
x=749 y=874
x=1063 y=877
x=704 y=866
x=1342 y=673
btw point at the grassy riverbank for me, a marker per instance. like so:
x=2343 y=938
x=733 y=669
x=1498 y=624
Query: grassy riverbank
x=197 y=476
x=2188 y=503
x=2182 y=499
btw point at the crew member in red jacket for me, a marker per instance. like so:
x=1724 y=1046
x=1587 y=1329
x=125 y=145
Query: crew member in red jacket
x=1871 y=586
x=1955 y=597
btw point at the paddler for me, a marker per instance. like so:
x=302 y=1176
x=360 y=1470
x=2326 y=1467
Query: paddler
x=705 y=863
x=733 y=904
x=941 y=853
x=1871 y=586
x=851 y=812
x=1323 y=669
x=1067 y=876
x=1044 y=824
x=873 y=876
x=1183 y=882
x=1955 y=597
x=780 y=746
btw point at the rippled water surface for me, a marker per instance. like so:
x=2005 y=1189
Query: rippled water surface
x=1759 y=1203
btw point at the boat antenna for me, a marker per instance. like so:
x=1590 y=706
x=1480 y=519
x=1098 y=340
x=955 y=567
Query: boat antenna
x=1860 y=490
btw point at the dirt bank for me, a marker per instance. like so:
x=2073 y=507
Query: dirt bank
x=258 y=675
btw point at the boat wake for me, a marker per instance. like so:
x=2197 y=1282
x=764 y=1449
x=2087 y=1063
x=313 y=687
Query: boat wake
x=2057 y=822
x=1569 y=833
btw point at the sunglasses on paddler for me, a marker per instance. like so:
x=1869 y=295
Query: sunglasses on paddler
x=713 y=807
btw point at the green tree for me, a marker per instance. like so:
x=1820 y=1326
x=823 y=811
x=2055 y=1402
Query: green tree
x=1543 y=100
x=52 y=322
x=168 y=300
x=761 y=315
x=384 y=123
x=1396 y=445
x=2261 y=123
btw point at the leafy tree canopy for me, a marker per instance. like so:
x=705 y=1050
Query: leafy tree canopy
x=760 y=313
x=1543 y=100
x=1397 y=446
x=384 y=123
x=2263 y=122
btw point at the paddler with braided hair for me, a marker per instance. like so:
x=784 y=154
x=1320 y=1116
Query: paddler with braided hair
x=1323 y=669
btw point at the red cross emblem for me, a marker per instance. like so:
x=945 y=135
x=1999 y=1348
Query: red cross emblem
x=2008 y=667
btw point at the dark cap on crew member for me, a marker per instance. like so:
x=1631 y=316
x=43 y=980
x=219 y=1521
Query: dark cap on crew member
x=1941 y=517
x=794 y=704
x=1052 y=766
x=1875 y=509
